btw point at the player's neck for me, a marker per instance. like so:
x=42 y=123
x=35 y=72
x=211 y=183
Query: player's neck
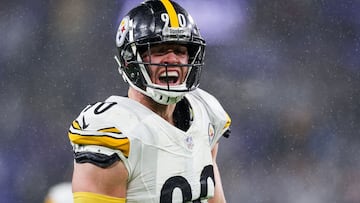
x=164 y=111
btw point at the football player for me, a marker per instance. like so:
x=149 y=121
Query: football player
x=159 y=143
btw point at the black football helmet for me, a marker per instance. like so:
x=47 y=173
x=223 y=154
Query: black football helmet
x=154 y=22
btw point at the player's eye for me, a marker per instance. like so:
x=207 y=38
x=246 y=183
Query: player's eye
x=159 y=50
x=180 y=50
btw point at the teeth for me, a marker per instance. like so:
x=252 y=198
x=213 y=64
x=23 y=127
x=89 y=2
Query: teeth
x=170 y=74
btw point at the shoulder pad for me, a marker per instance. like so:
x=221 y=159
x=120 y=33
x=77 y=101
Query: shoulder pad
x=105 y=124
x=218 y=116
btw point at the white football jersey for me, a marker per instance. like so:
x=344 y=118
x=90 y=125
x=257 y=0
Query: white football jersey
x=165 y=164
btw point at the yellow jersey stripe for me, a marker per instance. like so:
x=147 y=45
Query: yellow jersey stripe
x=174 y=22
x=110 y=130
x=228 y=121
x=122 y=144
x=89 y=197
x=76 y=125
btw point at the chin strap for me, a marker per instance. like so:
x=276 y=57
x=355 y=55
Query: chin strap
x=162 y=98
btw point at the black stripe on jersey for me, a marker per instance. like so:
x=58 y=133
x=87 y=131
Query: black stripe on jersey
x=104 y=129
x=101 y=160
x=102 y=135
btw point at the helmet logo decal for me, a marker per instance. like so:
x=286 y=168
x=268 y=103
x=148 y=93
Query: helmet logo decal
x=171 y=12
x=122 y=31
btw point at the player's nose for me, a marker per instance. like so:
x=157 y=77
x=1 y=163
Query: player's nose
x=170 y=57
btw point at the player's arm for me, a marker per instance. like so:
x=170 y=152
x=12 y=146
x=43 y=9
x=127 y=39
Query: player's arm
x=219 y=196
x=92 y=183
x=100 y=151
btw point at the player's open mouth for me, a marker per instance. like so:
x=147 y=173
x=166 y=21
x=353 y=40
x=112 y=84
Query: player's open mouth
x=171 y=77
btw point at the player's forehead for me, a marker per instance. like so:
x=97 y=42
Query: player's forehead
x=165 y=46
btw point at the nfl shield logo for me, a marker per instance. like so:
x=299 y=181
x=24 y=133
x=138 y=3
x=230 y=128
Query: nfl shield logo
x=189 y=142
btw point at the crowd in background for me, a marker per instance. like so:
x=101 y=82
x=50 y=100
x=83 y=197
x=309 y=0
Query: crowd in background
x=287 y=72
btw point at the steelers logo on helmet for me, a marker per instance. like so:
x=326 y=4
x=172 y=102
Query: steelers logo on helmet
x=122 y=31
x=155 y=22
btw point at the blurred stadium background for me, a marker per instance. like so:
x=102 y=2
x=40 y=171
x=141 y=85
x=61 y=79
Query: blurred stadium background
x=288 y=73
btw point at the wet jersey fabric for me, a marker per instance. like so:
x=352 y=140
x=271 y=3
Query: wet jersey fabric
x=164 y=163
